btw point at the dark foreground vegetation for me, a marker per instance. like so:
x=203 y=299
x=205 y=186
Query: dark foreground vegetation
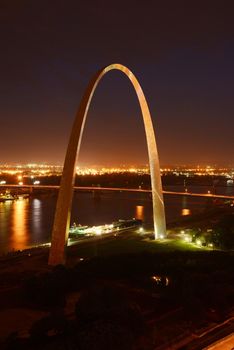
x=215 y=229
x=128 y=301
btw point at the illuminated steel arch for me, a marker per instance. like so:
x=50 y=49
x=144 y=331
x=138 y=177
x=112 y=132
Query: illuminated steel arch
x=64 y=202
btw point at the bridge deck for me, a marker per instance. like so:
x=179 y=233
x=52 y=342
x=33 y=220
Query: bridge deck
x=120 y=189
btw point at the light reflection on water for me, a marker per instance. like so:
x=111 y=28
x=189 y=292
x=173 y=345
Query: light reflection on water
x=28 y=222
x=139 y=213
x=4 y=217
x=20 y=232
x=36 y=218
x=185 y=212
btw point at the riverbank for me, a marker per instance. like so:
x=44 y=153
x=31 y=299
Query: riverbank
x=155 y=275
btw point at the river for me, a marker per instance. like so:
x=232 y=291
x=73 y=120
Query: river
x=28 y=222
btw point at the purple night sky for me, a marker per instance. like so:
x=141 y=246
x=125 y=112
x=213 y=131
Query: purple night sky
x=182 y=52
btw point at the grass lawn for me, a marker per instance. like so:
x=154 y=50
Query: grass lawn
x=132 y=244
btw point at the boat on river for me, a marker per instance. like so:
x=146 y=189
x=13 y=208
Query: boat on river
x=6 y=196
x=116 y=226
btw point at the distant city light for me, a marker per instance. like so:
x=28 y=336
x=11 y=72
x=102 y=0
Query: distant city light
x=41 y=169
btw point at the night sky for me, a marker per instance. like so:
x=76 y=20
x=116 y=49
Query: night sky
x=182 y=52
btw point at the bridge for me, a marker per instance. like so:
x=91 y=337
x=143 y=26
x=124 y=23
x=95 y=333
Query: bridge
x=118 y=189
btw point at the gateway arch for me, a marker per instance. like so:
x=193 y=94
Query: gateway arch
x=63 y=209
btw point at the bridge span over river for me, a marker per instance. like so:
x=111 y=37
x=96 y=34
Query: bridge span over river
x=116 y=189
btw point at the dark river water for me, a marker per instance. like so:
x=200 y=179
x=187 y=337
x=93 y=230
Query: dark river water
x=28 y=222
